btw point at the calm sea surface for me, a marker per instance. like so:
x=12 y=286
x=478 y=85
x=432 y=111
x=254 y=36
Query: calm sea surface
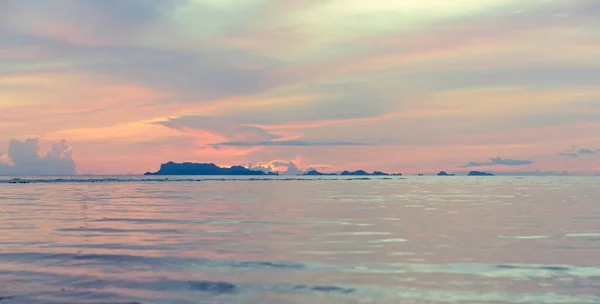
x=409 y=240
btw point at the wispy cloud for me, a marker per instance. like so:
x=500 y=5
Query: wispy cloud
x=568 y=154
x=587 y=151
x=573 y=152
x=498 y=161
x=289 y=143
x=223 y=127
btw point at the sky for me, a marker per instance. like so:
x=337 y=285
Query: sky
x=121 y=86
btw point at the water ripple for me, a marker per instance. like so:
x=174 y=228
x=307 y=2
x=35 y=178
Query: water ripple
x=190 y=240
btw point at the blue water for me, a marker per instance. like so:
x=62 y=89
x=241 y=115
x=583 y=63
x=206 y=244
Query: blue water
x=278 y=240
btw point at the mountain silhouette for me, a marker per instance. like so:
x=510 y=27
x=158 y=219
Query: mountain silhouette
x=172 y=168
x=352 y=173
x=316 y=173
x=479 y=173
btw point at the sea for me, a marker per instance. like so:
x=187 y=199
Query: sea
x=195 y=239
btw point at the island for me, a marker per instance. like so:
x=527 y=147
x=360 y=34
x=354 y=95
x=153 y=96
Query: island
x=479 y=173
x=379 y=173
x=189 y=168
x=443 y=173
x=359 y=172
x=351 y=173
x=316 y=173
x=172 y=168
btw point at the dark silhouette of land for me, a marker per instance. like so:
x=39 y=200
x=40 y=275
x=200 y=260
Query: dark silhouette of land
x=353 y=173
x=172 y=168
x=359 y=173
x=378 y=173
x=479 y=173
x=316 y=173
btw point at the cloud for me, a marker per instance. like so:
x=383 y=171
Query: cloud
x=282 y=166
x=292 y=169
x=108 y=40
x=290 y=143
x=265 y=168
x=219 y=126
x=498 y=161
x=586 y=151
x=302 y=104
x=573 y=152
x=240 y=135
x=567 y=154
x=25 y=159
x=104 y=21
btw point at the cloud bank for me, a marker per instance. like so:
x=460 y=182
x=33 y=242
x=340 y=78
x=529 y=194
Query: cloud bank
x=24 y=159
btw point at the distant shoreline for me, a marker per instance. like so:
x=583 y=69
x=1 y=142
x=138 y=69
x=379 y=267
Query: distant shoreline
x=75 y=179
x=210 y=169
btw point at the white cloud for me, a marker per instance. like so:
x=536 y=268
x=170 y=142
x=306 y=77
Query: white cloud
x=284 y=167
x=25 y=159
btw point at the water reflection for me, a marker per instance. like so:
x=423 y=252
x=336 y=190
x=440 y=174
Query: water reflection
x=501 y=240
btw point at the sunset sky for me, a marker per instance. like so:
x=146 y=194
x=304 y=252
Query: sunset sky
x=392 y=85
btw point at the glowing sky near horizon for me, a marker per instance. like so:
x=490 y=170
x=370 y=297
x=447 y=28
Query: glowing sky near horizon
x=391 y=85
